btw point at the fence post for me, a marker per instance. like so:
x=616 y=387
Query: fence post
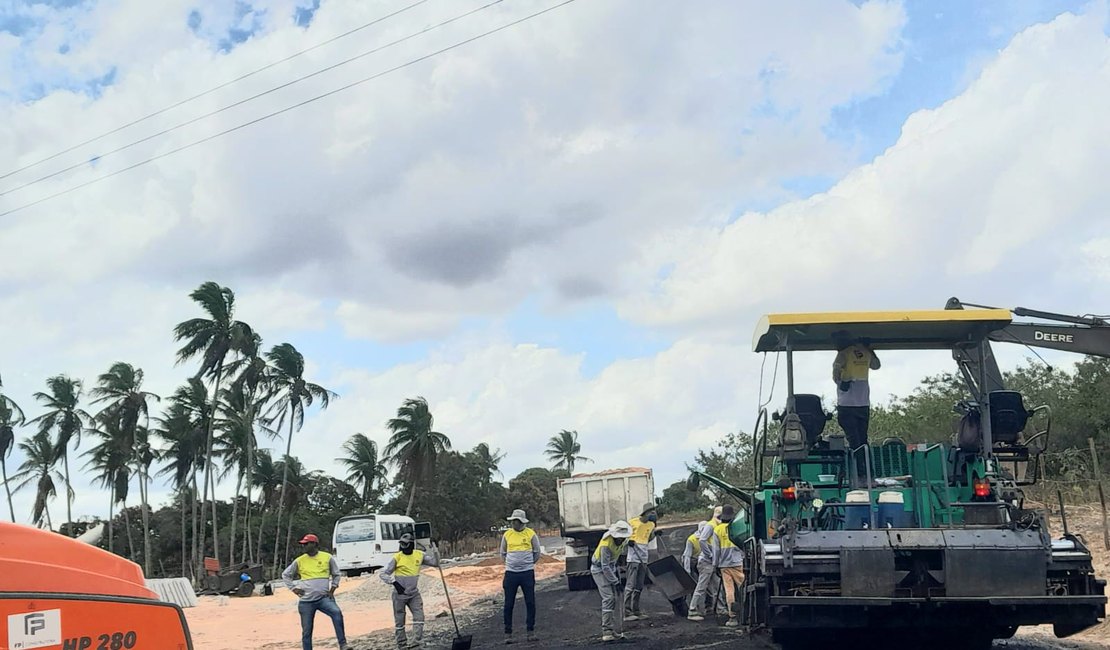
x=1101 y=495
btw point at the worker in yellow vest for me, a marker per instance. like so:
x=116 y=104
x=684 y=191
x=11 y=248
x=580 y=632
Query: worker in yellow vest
x=728 y=558
x=708 y=583
x=403 y=572
x=520 y=550
x=851 y=367
x=606 y=575
x=642 y=529
x=313 y=577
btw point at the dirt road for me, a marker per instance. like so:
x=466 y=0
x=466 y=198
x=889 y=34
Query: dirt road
x=572 y=620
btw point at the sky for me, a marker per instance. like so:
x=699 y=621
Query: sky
x=572 y=223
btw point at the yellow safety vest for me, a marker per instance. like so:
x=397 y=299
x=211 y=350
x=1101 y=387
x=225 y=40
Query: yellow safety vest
x=408 y=565
x=857 y=363
x=519 y=540
x=721 y=531
x=310 y=567
x=641 y=530
x=693 y=539
x=614 y=547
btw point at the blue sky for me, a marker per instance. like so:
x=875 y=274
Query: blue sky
x=573 y=224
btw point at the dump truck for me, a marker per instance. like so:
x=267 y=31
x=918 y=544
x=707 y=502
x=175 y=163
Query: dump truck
x=929 y=541
x=589 y=504
x=60 y=593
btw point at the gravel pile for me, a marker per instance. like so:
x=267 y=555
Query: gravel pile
x=431 y=588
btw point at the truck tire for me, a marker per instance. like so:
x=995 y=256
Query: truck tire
x=246 y=588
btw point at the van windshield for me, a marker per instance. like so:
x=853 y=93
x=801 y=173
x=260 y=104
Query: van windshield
x=355 y=530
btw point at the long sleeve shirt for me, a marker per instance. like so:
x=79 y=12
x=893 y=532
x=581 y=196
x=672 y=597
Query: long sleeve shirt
x=725 y=553
x=405 y=569
x=316 y=574
x=691 y=552
x=605 y=558
x=705 y=533
x=518 y=552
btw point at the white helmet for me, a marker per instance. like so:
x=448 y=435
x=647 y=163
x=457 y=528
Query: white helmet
x=621 y=530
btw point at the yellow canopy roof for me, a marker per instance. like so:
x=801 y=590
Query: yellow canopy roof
x=936 y=329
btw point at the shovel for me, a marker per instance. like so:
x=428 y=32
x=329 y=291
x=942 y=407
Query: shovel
x=460 y=642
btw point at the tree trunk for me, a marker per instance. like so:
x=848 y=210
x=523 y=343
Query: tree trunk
x=288 y=538
x=127 y=527
x=194 y=560
x=412 y=496
x=111 y=517
x=69 y=493
x=7 y=488
x=234 y=514
x=261 y=527
x=146 y=521
x=46 y=509
x=248 y=551
x=184 y=550
x=208 y=465
x=284 y=491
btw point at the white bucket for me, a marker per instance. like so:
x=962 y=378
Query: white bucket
x=891 y=497
x=856 y=496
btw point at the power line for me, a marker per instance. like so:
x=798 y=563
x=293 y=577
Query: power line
x=287 y=108
x=248 y=99
x=213 y=89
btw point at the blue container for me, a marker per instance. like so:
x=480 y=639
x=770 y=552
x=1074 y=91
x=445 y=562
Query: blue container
x=857 y=516
x=892 y=511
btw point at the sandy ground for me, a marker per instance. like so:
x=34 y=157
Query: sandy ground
x=221 y=623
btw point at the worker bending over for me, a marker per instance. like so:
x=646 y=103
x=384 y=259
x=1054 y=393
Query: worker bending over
x=403 y=572
x=853 y=395
x=728 y=558
x=603 y=568
x=642 y=529
x=520 y=549
x=317 y=577
x=706 y=590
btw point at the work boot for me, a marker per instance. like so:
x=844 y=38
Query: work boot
x=607 y=638
x=732 y=622
x=530 y=635
x=694 y=616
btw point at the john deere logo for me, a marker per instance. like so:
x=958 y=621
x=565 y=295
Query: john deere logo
x=1058 y=338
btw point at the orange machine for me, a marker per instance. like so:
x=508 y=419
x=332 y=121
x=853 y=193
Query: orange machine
x=60 y=594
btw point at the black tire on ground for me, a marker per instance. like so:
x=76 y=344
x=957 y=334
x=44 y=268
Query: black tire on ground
x=1006 y=632
x=352 y=573
x=580 y=583
x=245 y=589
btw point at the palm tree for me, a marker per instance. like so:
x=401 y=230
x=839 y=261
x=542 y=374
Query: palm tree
x=184 y=453
x=414 y=446
x=213 y=338
x=291 y=495
x=63 y=416
x=184 y=426
x=292 y=396
x=563 y=450
x=266 y=476
x=235 y=445
x=490 y=460
x=127 y=408
x=110 y=461
x=38 y=468
x=11 y=416
x=251 y=378
x=365 y=469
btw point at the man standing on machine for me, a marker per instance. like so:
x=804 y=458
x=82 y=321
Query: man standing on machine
x=853 y=394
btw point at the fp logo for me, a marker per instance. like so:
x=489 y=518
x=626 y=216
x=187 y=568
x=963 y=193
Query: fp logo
x=34 y=623
x=30 y=630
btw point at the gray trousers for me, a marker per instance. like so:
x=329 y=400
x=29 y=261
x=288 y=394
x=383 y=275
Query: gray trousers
x=708 y=585
x=612 y=613
x=416 y=605
x=637 y=571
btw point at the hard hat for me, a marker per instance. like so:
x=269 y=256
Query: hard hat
x=309 y=538
x=620 y=529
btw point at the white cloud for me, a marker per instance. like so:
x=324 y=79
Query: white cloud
x=992 y=195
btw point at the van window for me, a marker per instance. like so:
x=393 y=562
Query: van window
x=355 y=530
x=394 y=530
